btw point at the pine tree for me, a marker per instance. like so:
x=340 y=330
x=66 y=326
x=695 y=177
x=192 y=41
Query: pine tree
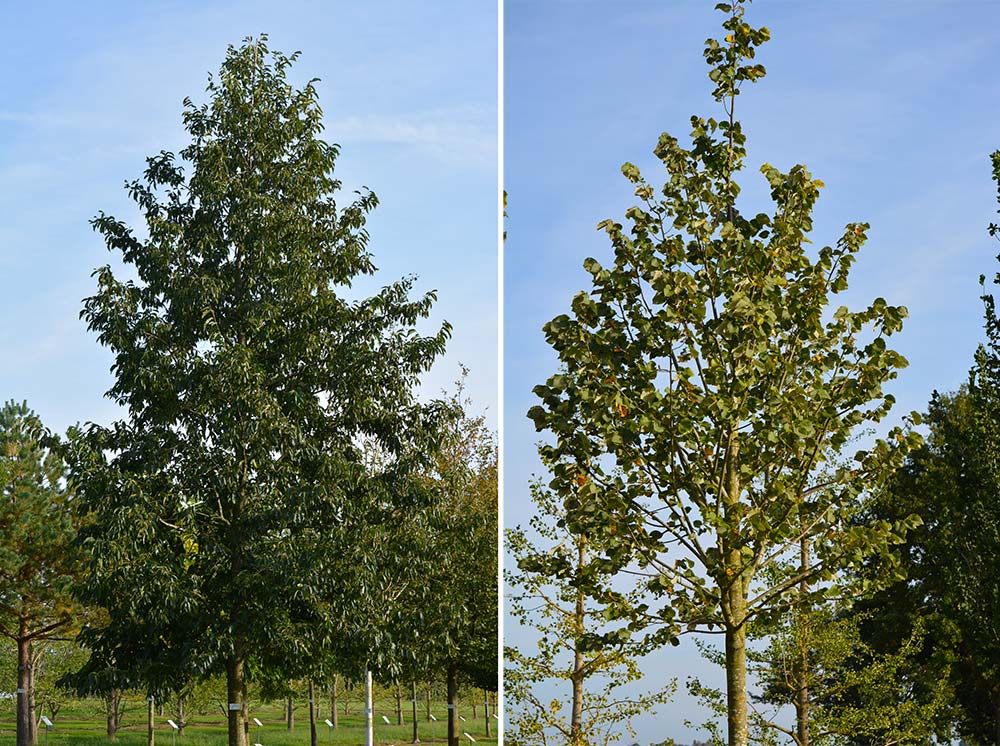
x=39 y=564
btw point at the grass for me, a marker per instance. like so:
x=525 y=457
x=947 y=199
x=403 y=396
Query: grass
x=82 y=727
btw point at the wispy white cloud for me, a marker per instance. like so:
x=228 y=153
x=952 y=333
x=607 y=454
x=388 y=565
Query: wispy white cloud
x=466 y=133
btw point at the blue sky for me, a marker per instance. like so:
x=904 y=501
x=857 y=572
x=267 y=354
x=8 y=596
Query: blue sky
x=891 y=104
x=409 y=91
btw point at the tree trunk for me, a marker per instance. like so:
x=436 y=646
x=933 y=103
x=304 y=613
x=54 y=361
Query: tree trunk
x=25 y=721
x=736 y=685
x=802 y=657
x=112 y=713
x=289 y=713
x=236 y=701
x=333 y=701
x=428 y=693
x=369 y=711
x=399 y=704
x=32 y=705
x=578 y=674
x=996 y=717
x=150 y=712
x=452 y=704
x=734 y=609
x=486 y=711
x=180 y=714
x=413 y=701
x=312 y=713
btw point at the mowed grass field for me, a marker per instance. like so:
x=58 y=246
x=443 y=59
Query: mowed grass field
x=81 y=724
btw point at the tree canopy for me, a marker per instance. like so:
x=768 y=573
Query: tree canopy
x=705 y=381
x=255 y=384
x=39 y=562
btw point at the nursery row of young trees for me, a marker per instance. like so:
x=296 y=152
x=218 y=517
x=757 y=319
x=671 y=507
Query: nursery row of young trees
x=313 y=705
x=275 y=503
x=714 y=468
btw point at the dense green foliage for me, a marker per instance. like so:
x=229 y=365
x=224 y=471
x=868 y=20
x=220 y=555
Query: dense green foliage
x=950 y=589
x=39 y=562
x=460 y=609
x=271 y=421
x=951 y=595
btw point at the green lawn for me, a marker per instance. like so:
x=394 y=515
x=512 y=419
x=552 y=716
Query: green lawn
x=81 y=726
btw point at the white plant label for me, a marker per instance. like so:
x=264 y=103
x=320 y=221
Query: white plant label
x=234 y=705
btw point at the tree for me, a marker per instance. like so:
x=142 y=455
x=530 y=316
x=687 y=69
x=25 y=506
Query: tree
x=51 y=661
x=943 y=483
x=857 y=695
x=953 y=482
x=253 y=380
x=38 y=563
x=703 y=383
x=459 y=633
x=973 y=593
x=548 y=595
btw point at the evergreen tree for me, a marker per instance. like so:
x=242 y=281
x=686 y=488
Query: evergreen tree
x=39 y=565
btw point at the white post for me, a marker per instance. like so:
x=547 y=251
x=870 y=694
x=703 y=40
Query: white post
x=369 y=722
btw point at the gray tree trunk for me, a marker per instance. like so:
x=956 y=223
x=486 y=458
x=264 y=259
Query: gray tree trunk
x=312 y=713
x=369 y=711
x=25 y=721
x=333 y=701
x=413 y=701
x=150 y=717
x=236 y=706
x=112 y=706
x=577 y=676
x=452 y=704
x=486 y=711
x=802 y=658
